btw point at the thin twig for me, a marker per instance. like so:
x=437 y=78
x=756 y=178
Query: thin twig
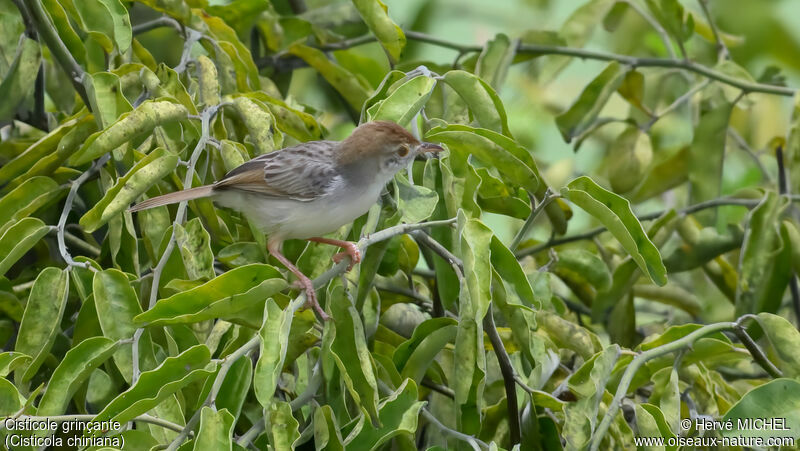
x=662 y=33
x=713 y=203
x=722 y=49
x=676 y=104
x=508 y=373
x=750 y=152
x=475 y=443
x=783 y=188
x=543 y=49
x=526 y=227
x=163 y=21
x=62 y=221
x=438 y=388
x=756 y=351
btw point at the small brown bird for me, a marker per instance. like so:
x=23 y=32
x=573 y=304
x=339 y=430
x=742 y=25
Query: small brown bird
x=313 y=188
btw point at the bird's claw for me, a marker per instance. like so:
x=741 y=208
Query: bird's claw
x=351 y=251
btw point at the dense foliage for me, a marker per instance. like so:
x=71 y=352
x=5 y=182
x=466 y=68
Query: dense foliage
x=492 y=309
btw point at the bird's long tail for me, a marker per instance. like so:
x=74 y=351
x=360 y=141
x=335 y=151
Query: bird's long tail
x=171 y=198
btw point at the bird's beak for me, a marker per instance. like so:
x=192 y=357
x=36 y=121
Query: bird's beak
x=429 y=147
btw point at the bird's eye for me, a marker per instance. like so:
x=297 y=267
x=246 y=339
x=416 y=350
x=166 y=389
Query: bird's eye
x=403 y=150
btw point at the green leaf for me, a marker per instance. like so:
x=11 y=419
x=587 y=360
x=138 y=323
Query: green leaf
x=704 y=247
x=583 y=267
x=494 y=60
x=158 y=384
x=614 y=212
x=129 y=126
x=349 y=349
x=416 y=203
x=282 y=426
x=146 y=173
x=42 y=148
x=72 y=371
x=785 y=339
x=415 y=355
x=513 y=162
x=274 y=336
x=326 y=431
x=106 y=99
x=761 y=249
x=221 y=297
x=194 y=244
x=10 y=361
x=17 y=84
x=348 y=85
x=106 y=20
x=778 y=399
x=589 y=385
x=216 y=429
x=388 y=33
x=10 y=398
x=398 y=415
x=295 y=123
x=27 y=198
x=481 y=99
x=42 y=319
x=628 y=157
x=19 y=239
x=117 y=304
x=404 y=102
x=707 y=152
x=258 y=120
x=581 y=115
x=789 y=229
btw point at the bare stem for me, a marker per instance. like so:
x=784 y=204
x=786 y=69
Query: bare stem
x=62 y=221
x=526 y=227
x=509 y=376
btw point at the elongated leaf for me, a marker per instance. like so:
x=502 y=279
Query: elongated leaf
x=193 y=242
x=784 y=339
x=326 y=431
x=707 y=152
x=415 y=355
x=216 y=430
x=494 y=60
x=158 y=384
x=282 y=426
x=350 y=86
x=225 y=295
x=580 y=116
x=352 y=357
x=614 y=212
x=138 y=122
x=398 y=414
x=588 y=384
x=9 y=361
x=41 y=319
x=117 y=304
x=107 y=22
x=105 y=96
x=391 y=36
x=481 y=99
x=404 y=102
x=514 y=162
x=258 y=120
x=16 y=86
x=146 y=173
x=19 y=239
x=74 y=369
x=274 y=335
x=757 y=262
x=26 y=199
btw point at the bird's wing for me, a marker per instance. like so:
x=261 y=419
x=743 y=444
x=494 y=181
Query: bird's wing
x=303 y=172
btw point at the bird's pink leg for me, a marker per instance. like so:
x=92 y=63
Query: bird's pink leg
x=350 y=250
x=274 y=248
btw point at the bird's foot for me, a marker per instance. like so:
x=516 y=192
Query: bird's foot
x=352 y=251
x=311 y=297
